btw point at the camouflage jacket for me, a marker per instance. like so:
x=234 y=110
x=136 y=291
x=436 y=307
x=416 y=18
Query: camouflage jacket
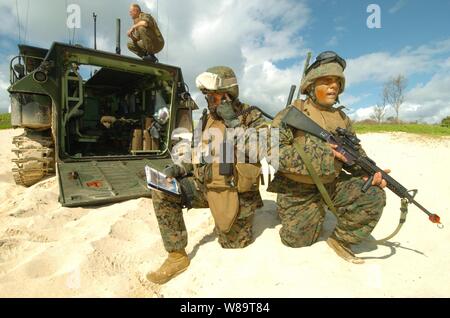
x=152 y=30
x=249 y=118
x=151 y=23
x=292 y=169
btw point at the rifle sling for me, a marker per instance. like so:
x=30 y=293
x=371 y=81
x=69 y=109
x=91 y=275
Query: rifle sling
x=403 y=214
x=307 y=161
x=326 y=197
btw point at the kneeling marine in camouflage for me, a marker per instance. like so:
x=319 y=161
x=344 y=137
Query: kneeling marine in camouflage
x=230 y=190
x=300 y=203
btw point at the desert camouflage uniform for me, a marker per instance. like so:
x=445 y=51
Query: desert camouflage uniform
x=300 y=205
x=150 y=40
x=168 y=209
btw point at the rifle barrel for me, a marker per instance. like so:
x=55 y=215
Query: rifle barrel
x=396 y=187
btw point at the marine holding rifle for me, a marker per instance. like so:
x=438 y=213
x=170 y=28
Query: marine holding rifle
x=229 y=189
x=300 y=197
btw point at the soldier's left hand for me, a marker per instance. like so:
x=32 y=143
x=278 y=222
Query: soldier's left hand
x=337 y=154
x=378 y=179
x=174 y=171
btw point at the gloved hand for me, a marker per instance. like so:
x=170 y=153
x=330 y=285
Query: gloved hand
x=226 y=112
x=174 y=171
x=155 y=130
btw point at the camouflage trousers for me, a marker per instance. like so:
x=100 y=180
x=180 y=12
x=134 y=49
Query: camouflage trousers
x=302 y=212
x=168 y=210
x=145 y=44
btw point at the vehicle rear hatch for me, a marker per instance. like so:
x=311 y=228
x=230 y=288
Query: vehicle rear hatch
x=101 y=182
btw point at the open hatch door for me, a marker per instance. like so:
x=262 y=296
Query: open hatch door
x=103 y=182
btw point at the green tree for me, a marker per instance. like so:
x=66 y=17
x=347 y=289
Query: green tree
x=446 y=122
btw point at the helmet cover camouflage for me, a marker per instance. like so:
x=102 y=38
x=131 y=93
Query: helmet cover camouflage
x=219 y=79
x=328 y=69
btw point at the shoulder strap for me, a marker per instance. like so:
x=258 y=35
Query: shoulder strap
x=329 y=202
x=204 y=119
x=246 y=110
x=315 y=177
x=200 y=128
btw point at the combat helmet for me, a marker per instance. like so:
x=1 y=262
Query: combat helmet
x=327 y=63
x=220 y=79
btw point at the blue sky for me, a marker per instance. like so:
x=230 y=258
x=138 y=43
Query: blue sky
x=342 y=26
x=266 y=43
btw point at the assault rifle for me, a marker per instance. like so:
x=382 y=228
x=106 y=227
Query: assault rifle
x=349 y=145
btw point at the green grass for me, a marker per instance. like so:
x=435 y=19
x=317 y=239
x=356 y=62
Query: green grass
x=5 y=121
x=422 y=129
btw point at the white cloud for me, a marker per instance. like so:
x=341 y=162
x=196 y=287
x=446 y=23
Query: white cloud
x=428 y=102
x=8 y=17
x=432 y=99
x=431 y=112
x=380 y=66
x=333 y=41
x=348 y=100
x=435 y=48
x=361 y=113
x=4 y=84
x=436 y=89
x=398 y=5
x=252 y=37
x=446 y=63
x=267 y=86
x=249 y=36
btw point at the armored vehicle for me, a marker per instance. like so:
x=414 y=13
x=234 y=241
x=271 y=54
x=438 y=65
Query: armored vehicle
x=95 y=119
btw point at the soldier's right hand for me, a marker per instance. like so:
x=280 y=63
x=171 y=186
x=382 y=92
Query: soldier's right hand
x=131 y=35
x=174 y=171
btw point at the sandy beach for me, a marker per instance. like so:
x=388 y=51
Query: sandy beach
x=50 y=251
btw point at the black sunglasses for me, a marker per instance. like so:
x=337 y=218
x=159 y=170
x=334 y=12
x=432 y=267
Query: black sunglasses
x=325 y=58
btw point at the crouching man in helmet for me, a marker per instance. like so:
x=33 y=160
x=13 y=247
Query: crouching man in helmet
x=229 y=189
x=300 y=203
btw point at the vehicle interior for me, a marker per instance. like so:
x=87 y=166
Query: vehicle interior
x=109 y=112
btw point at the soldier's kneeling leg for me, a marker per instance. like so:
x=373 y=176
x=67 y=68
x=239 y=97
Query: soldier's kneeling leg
x=145 y=42
x=358 y=212
x=168 y=210
x=301 y=218
x=135 y=48
x=240 y=234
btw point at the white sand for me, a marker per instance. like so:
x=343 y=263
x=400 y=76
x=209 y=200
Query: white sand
x=50 y=251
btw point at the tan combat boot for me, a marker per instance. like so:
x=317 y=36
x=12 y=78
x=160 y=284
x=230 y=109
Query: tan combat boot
x=343 y=251
x=176 y=263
